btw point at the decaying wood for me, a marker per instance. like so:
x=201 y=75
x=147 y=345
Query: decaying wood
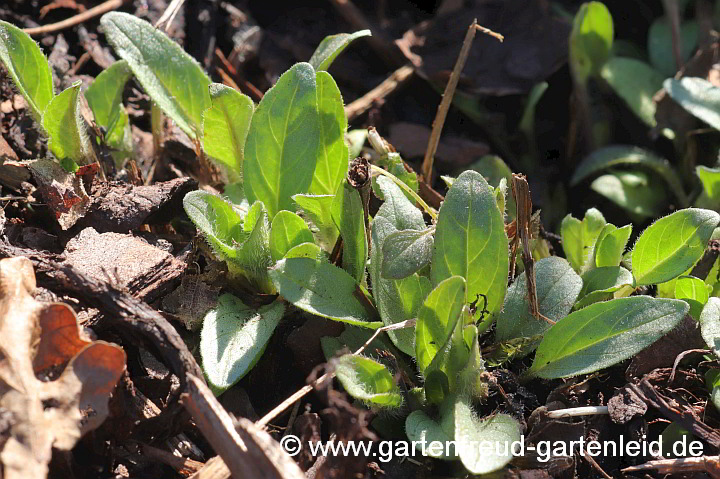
x=683 y=466
x=247 y=451
x=122 y=311
x=521 y=193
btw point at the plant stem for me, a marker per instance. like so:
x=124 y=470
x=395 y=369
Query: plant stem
x=430 y=211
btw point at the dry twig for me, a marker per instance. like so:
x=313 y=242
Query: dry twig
x=76 y=19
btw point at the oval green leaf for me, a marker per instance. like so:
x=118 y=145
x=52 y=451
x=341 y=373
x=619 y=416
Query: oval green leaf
x=27 y=67
x=321 y=288
x=287 y=231
x=283 y=141
x=470 y=241
x=671 y=245
x=348 y=215
x=406 y=252
x=591 y=39
x=368 y=381
x=636 y=83
x=234 y=337
x=66 y=127
x=332 y=46
x=604 y=334
x=710 y=324
x=332 y=153
x=172 y=78
x=225 y=126
x=698 y=96
x=611 y=245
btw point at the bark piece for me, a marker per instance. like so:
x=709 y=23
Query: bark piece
x=131 y=263
x=625 y=405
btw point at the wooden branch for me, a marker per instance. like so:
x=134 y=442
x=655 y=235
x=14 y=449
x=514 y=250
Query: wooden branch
x=77 y=19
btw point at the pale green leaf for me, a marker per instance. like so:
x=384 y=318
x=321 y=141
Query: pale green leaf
x=307 y=250
x=557 y=289
x=406 y=252
x=282 y=142
x=601 y=283
x=494 y=169
x=287 y=231
x=234 y=337
x=470 y=241
x=671 y=245
x=332 y=46
x=499 y=431
x=172 y=78
x=253 y=258
x=320 y=288
x=225 y=126
x=698 y=96
x=710 y=178
x=368 y=381
x=27 y=67
x=218 y=221
x=319 y=209
x=604 y=334
x=693 y=291
x=422 y=430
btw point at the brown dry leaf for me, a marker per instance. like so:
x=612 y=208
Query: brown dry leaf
x=62 y=191
x=54 y=414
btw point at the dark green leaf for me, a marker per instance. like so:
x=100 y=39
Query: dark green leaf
x=603 y=334
x=660 y=44
x=629 y=156
x=698 y=96
x=710 y=324
x=636 y=83
x=347 y=213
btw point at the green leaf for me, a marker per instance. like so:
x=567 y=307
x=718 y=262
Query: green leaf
x=319 y=209
x=634 y=191
x=397 y=300
x=253 y=257
x=172 y=78
x=557 y=289
x=590 y=40
x=710 y=324
x=368 y=381
x=234 y=337
x=671 y=245
x=660 y=44
x=636 y=83
x=422 y=430
x=629 y=156
x=27 y=67
x=218 y=221
x=307 y=250
x=579 y=237
x=437 y=318
x=604 y=334
x=283 y=141
x=693 y=291
x=322 y=289
x=104 y=96
x=611 y=245
x=470 y=241
x=225 y=126
x=710 y=178
x=332 y=152
x=347 y=213
x=332 y=46
x=406 y=252
x=698 y=96
x=66 y=128
x=499 y=430
x=396 y=166
x=287 y=231
x=494 y=169
x=599 y=284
